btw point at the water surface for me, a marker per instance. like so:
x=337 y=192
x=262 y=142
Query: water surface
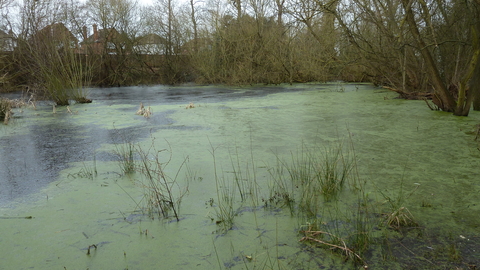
x=398 y=144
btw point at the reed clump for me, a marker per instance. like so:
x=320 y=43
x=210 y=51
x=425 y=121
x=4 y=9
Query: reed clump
x=162 y=193
x=397 y=215
x=333 y=242
x=125 y=155
x=57 y=69
x=310 y=184
x=5 y=110
x=224 y=207
x=311 y=177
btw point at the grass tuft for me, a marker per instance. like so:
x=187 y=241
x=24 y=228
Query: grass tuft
x=163 y=194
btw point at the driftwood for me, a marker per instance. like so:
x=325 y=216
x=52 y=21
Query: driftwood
x=411 y=95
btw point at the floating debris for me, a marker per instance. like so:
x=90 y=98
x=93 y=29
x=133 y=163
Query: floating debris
x=145 y=112
x=140 y=110
x=190 y=106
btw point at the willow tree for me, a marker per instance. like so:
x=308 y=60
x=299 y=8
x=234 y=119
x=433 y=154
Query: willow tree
x=450 y=96
x=415 y=46
x=46 y=53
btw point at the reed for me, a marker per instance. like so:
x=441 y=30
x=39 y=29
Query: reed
x=224 y=207
x=334 y=242
x=125 y=155
x=5 y=110
x=282 y=189
x=312 y=176
x=57 y=67
x=397 y=215
x=162 y=193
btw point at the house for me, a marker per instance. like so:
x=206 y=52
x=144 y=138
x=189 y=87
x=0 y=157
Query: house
x=57 y=35
x=104 y=41
x=196 y=45
x=151 y=44
x=7 y=41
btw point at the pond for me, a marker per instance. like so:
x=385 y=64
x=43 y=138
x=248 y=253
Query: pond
x=224 y=178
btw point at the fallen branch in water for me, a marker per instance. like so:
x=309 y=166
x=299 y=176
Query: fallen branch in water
x=309 y=236
x=410 y=95
x=27 y=217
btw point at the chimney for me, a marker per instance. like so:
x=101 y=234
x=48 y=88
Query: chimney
x=95 y=33
x=84 y=33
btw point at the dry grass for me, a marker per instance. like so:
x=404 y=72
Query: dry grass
x=333 y=242
x=399 y=218
x=5 y=109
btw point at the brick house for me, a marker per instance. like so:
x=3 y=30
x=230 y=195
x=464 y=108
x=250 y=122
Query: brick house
x=104 y=41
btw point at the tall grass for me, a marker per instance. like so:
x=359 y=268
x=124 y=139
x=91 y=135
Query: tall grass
x=5 y=110
x=125 y=153
x=56 y=66
x=310 y=184
x=162 y=193
x=397 y=214
x=282 y=189
x=312 y=176
x=323 y=190
x=225 y=191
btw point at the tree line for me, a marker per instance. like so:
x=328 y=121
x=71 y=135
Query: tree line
x=419 y=48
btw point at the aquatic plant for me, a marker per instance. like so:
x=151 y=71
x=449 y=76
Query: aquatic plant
x=224 y=209
x=349 y=232
x=309 y=185
x=282 y=189
x=85 y=172
x=244 y=174
x=125 y=155
x=56 y=67
x=162 y=193
x=312 y=174
x=334 y=242
x=398 y=215
x=334 y=170
x=124 y=151
x=5 y=110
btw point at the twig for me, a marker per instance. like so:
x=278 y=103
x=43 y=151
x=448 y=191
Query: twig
x=347 y=250
x=88 y=250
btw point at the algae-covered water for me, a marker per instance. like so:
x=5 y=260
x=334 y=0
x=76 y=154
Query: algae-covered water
x=65 y=202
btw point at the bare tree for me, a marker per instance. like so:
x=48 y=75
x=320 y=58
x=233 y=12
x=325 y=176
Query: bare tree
x=114 y=30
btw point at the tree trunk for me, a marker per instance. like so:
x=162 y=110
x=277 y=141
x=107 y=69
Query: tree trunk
x=475 y=88
x=475 y=81
x=443 y=98
x=464 y=98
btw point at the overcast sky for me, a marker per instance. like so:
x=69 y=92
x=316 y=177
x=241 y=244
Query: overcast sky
x=145 y=2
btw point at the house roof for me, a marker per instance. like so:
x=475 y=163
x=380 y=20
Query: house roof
x=150 y=39
x=102 y=35
x=57 y=32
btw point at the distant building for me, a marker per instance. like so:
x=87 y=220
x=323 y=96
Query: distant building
x=104 y=41
x=57 y=35
x=151 y=44
x=196 y=45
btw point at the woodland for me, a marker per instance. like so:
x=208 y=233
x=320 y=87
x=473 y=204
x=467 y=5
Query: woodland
x=422 y=49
